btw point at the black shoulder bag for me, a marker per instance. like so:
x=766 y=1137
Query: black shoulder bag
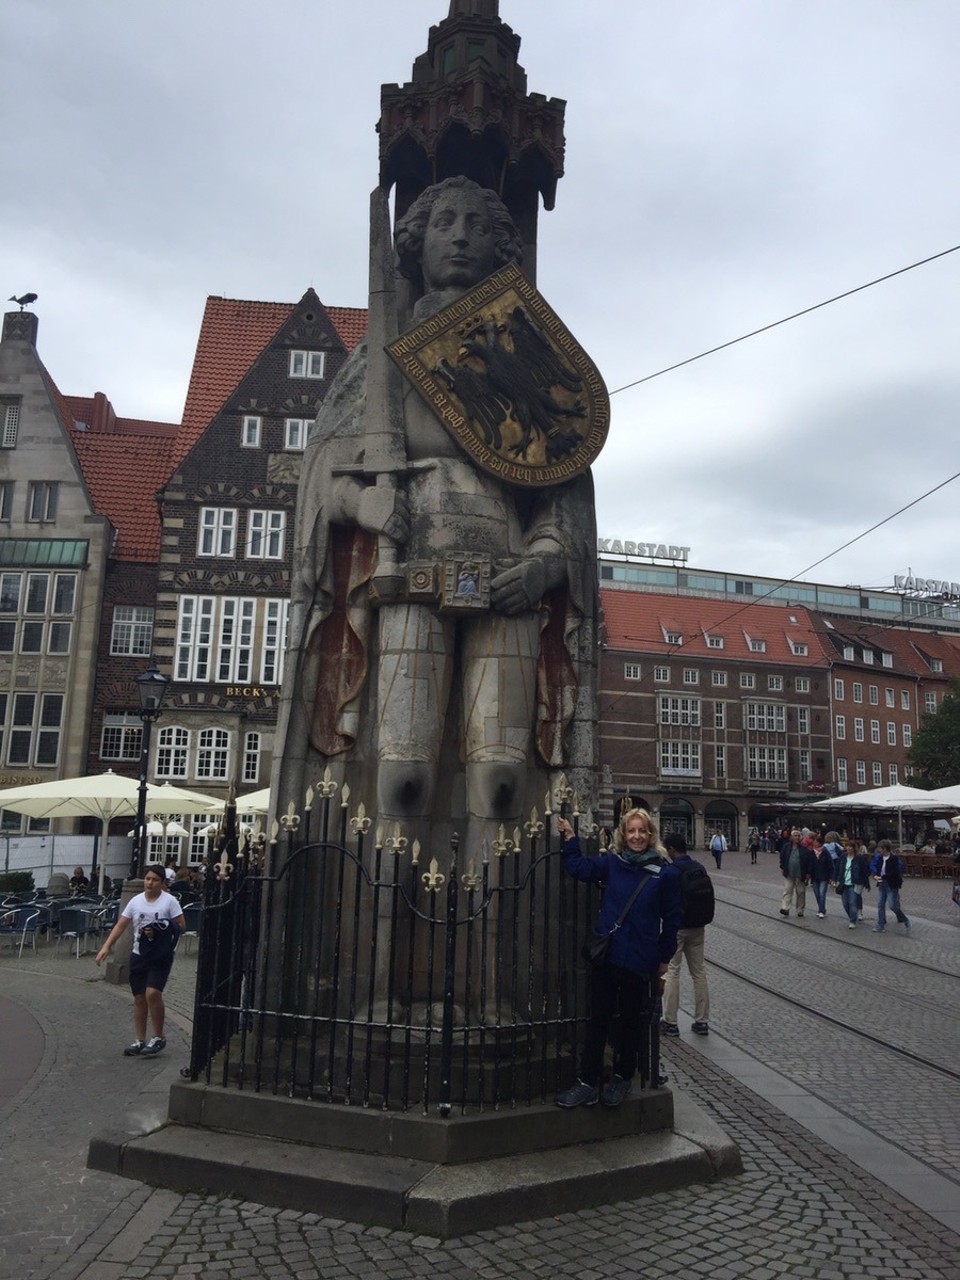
x=597 y=945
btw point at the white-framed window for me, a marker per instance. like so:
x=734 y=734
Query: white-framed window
x=131 y=630
x=295 y=433
x=31 y=637
x=803 y=719
x=767 y=717
x=33 y=737
x=121 y=737
x=858 y=729
x=714 y=642
x=908 y=735
x=805 y=771
x=59 y=635
x=838 y=690
x=251 y=757
x=631 y=671
x=877 y=773
x=868 y=656
x=930 y=703
x=7 y=488
x=802 y=684
x=748 y=680
x=904 y=699
x=889 y=698
x=874 y=694
x=886 y=659
x=767 y=764
x=307 y=364
x=265 y=534
x=936 y=665
x=230 y=640
x=677 y=710
x=217 y=534
x=891 y=733
x=875 y=731
x=857 y=691
x=680 y=759
x=720 y=762
x=840 y=728
x=213 y=755
x=673 y=637
x=251 y=430
x=718 y=679
x=848 y=654
x=662 y=674
x=756 y=646
x=841 y=774
x=775 y=684
x=799 y=650
x=173 y=751
x=9 y=422
x=719 y=715
x=893 y=773
x=42 y=501
x=861 y=773
x=691 y=675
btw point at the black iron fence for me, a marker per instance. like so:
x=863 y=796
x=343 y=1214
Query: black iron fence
x=341 y=962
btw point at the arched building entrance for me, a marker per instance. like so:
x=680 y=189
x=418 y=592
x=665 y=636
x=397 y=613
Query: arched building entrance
x=678 y=815
x=722 y=816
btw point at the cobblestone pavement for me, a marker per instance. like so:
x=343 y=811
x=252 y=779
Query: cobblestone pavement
x=800 y=1209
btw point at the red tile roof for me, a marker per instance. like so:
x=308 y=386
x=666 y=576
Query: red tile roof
x=123 y=473
x=639 y=622
x=233 y=333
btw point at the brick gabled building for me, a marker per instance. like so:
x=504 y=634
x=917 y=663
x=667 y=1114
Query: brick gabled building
x=710 y=713
x=260 y=374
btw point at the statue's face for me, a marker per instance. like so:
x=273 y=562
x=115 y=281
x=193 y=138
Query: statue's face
x=458 y=246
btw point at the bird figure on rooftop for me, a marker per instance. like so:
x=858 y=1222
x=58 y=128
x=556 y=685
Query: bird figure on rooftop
x=23 y=301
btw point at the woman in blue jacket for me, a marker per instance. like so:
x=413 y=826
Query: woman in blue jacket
x=628 y=981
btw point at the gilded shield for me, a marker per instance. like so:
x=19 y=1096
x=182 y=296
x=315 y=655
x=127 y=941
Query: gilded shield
x=509 y=382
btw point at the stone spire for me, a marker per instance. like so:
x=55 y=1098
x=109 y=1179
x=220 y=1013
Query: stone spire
x=467 y=111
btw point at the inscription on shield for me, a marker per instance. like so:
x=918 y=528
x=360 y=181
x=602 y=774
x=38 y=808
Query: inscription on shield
x=509 y=382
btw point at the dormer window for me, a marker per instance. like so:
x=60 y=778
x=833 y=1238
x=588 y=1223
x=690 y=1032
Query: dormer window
x=936 y=665
x=756 y=646
x=868 y=655
x=673 y=637
x=307 y=364
x=848 y=653
x=886 y=659
x=714 y=642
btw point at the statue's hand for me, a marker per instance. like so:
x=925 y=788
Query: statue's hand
x=519 y=588
x=383 y=509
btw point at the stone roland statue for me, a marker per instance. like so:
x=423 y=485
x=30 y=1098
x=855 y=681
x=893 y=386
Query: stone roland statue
x=453 y=720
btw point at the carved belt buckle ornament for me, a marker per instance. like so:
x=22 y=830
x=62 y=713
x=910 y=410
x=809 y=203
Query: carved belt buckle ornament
x=422 y=580
x=509 y=382
x=465 y=582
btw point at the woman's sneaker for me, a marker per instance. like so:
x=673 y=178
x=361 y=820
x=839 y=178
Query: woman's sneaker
x=580 y=1095
x=614 y=1091
x=669 y=1028
x=132 y=1050
x=153 y=1047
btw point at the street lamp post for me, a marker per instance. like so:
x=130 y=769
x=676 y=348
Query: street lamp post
x=151 y=687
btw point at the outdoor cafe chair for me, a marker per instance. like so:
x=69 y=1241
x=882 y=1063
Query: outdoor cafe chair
x=75 y=923
x=106 y=916
x=192 y=914
x=22 y=921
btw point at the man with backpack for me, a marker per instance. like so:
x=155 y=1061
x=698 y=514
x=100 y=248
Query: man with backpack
x=696 y=912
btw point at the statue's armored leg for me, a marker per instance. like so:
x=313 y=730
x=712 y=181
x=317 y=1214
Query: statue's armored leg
x=413 y=687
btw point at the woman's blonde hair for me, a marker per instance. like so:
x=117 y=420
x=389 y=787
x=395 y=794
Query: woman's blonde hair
x=620 y=835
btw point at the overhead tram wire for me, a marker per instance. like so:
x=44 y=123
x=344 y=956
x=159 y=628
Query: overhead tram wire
x=786 y=319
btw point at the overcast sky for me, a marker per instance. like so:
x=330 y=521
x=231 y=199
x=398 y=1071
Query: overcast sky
x=728 y=162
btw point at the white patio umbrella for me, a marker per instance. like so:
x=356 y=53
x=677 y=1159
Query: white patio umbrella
x=949 y=795
x=105 y=796
x=254 y=801
x=899 y=799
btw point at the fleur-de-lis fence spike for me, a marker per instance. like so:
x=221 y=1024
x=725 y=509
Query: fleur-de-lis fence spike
x=415 y=859
x=470 y=880
x=360 y=824
x=433 y=879
x=397 y=843
x=327 y=787
x=290 y=821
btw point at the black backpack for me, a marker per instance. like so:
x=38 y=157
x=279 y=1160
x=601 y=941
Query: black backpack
x=696 y=896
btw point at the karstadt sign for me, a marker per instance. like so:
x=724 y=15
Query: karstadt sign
x=925 y=586
x=651 y=550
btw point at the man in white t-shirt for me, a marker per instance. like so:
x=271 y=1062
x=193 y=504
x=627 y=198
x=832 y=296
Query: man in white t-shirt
x=157 y=920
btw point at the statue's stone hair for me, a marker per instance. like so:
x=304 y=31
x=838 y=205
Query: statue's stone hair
x=412 y=227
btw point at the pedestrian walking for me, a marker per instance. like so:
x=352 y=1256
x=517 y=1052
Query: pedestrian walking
x=718 y=847
x=887 y=871
x=853 y=879
x=796 y=867
x=753 y=841
x=640 y=912
x=696 y=912
x=157 y=920
x=824 y=873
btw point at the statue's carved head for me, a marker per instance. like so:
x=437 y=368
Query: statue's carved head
x=455 y=234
